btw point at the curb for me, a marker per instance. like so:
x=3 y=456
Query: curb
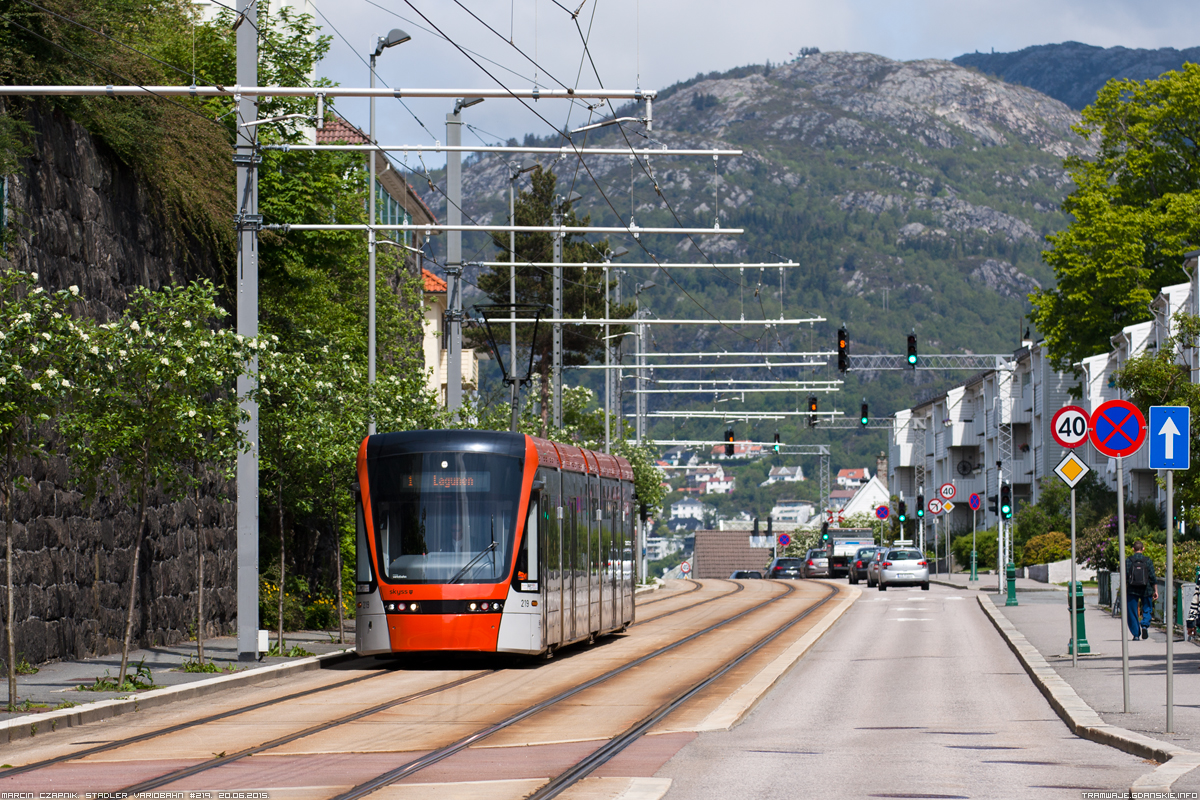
x=1082 y=719
x=28 y=726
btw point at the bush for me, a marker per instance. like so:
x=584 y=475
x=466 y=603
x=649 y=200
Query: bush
x=1048 y=547
x=985 y=549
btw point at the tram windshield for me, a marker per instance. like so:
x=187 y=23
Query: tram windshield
x=445 y=517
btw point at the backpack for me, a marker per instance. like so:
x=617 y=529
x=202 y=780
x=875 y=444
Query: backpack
x=1139 y=572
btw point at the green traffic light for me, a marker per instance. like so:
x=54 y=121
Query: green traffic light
x=912 y=358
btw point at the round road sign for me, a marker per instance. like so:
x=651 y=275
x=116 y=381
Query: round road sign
x=946 y=491
x=1118 y=428
x=784 y=540
x=882 y=512
x=1069 y=426
x=686 y=568
x=974 y=502
x=935 y=506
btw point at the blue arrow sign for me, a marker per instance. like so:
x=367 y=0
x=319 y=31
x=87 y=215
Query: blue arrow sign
x=1170 y=437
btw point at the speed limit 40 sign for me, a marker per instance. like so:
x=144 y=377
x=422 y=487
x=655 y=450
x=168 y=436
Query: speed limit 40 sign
x=1069 y=426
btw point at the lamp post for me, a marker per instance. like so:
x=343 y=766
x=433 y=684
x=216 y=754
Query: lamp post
x=395 y=36
x=515 y=170
x=640 y=398
x=454 y=265
x=608 y=257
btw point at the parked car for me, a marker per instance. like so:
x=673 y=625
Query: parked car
x=873 y=567
x=862 y=560
x=816 y=564
x=746 y=574
x=903 y=566
x=785 y=568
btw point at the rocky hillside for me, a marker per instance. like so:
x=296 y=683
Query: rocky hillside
x=914 y=196
x=1073 y=72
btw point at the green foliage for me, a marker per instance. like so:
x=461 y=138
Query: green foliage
x=194 y=665
x=986 y=550
x=1134 y=213
x=1052 y=512
x=1046 y=548
x=140 y=680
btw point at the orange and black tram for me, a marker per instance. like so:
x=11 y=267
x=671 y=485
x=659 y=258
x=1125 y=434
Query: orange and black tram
x=490 y=541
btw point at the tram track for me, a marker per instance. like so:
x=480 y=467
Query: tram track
x=696 y=586
x=463 y=743
x=689 y=607
x=429 y=759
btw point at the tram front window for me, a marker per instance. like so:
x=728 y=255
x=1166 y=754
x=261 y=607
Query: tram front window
x=445 y=517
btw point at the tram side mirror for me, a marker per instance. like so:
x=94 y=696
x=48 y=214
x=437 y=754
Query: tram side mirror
x=538 y=485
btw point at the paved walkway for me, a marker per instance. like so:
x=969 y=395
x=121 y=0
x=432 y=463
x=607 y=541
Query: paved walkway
x=1042 y=618
x=55 y=685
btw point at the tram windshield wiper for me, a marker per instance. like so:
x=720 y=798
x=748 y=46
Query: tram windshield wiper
x=471 y=563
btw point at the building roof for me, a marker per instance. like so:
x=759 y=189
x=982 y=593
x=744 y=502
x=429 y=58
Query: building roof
x=853 y=474
x=339 y=130
x=433 y=284
x=842 y=494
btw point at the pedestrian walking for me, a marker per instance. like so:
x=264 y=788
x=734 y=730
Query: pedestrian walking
x=1141 y=590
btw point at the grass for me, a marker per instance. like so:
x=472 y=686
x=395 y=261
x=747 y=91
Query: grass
x=296 y=651
x=139 y=681
x=194 y=665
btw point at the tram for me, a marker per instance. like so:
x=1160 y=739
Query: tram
x=489 y=541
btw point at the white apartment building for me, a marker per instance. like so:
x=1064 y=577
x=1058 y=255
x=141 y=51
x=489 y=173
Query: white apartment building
x=1003 y=415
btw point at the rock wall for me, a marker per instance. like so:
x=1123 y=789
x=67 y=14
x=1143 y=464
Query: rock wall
x=81 y=217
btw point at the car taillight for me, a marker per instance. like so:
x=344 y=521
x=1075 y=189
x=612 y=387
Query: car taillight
x=922 y=563
x=810 y=563
x=886 y=564
x=778 y=569
x=858 y=565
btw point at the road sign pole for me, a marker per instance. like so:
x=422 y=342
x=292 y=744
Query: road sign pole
x=1124 y=588
x=1168 y=602
x=974 y=522
x=1071 y=589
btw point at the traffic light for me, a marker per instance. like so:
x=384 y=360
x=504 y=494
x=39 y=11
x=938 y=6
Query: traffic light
x=776 y=441
x=912 y=350
x=843 y=350
x=994 y=503
x=863 y=416
x=812 y=411
x=729 y=442
x=920 y=506
x=1006 y=501
x=824 y=533
x=902 y=513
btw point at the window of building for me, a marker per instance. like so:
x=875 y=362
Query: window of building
x=388 y=211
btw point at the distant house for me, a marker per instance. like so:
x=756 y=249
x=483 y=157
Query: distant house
x=740 y=450
x=687 y=508
x=719 y=486
x=792 y=513
x=838 y=498
x=784 y=474
x=867 y=498
x=853 y=478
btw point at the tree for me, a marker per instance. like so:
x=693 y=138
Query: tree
x=1135 y=209
x=583 y=290
x=37 y=336
x=1161 y=377
x=149 y=376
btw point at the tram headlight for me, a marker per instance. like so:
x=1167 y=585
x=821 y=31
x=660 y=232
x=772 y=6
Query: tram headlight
x=414 y=607
x=472 y=607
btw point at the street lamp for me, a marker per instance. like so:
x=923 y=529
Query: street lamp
x=608 y=257
x=395 y=36
x=454 y=265
x=640 y=405
x=515 y=171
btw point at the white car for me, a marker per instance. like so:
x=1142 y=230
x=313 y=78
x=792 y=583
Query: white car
x=900 y=566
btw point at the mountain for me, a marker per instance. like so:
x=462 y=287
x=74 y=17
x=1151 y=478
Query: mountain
x=915 y=196
x=1073 y=72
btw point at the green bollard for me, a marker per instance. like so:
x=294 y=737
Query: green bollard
x=1011 y=570
x=1080 y=629
x=974 y=571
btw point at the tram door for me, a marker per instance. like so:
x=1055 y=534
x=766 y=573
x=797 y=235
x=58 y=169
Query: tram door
x=596 y=562
x=577 y=511
x=551 y=533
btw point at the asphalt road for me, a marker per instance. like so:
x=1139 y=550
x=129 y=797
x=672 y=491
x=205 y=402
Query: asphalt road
x=912 y=694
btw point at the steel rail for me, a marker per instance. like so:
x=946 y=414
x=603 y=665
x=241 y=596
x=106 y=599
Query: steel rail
x=110 y=90
x=739 y=588
x=607 y=751
x=163 y=780
x=433 y=757
x=183 y=726
x=696 y=586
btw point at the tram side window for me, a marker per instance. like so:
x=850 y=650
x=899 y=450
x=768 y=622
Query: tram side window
x=362 y=553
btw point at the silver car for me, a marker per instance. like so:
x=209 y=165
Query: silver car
x=816 y=564
x=903 y=566
x=873 y=567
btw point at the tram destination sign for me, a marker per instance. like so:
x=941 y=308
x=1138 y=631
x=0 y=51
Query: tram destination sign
x=447 y=481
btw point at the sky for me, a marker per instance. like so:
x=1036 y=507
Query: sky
x=654 y=43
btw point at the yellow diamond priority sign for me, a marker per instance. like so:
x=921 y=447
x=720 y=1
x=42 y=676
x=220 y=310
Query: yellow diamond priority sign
x=947 y=507
x=1072 y=470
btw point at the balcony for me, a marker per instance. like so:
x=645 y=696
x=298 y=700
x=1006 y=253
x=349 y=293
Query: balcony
x=470 y=370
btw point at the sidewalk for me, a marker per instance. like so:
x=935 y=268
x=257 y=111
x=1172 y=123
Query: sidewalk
x=54 y=687
x=987 y=583
x=1041 y=617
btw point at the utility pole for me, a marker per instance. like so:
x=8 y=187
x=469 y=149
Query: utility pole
x=607 y=372
x=558 y=314
x=454 y=262
x=248 y=220
x=515 y=397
